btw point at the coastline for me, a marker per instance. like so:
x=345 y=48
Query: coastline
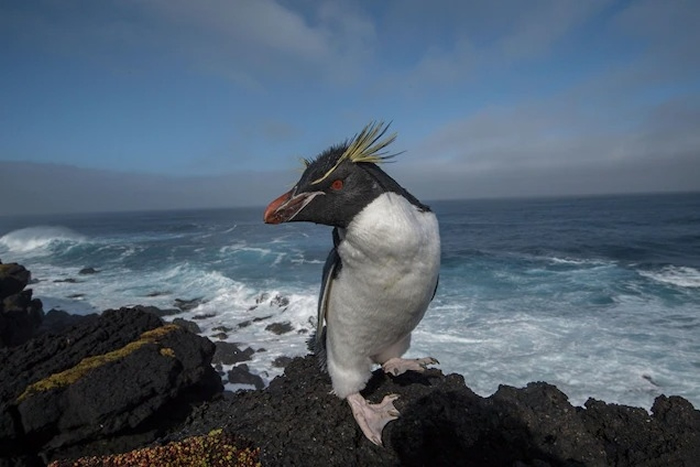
x=168 y=392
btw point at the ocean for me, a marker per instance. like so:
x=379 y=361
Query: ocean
x=597 y=295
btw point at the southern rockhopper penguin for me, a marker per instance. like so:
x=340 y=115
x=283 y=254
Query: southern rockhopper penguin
x=381 y=273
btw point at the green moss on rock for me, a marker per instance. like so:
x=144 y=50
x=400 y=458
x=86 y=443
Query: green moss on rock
x=71 y=375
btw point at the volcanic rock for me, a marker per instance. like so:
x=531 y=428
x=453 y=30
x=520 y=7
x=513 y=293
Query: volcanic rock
x=103 y=383
x=187 y=305
x=13 y=279
x=296 y=421
x=241 y=374
x=279 y=328
x=228 y=353
x=20 y=314
x=187 y=324
x=85 y=271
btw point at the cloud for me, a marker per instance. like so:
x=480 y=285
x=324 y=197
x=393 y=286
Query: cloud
x=539 y=28
x=488 y=36
x=248 y=42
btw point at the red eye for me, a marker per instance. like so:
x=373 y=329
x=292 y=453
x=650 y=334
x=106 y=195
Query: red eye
x=337 y=185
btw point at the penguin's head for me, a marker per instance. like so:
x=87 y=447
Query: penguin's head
x=339 y=182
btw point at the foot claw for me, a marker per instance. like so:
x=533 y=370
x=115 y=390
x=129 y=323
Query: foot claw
x=372 y=418
x=397 y=366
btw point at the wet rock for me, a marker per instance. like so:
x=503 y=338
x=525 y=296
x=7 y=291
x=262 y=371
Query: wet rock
x=187 y=305
x=244 y=324
x=220 y=335
x=261 y=318
x=281 y=361
x=157 y=293
x=229 y=353
x=279 y=328
x=20 y=314
x=69 y=280
x=240 y=374
x=262 y=297
x=204 y=316
x=161 y=312
x=187 y=324
x=13 y=279
x=85 y=271
x=279 y=301
x=222 y=328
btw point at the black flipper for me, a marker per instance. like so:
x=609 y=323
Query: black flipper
x=317 y=343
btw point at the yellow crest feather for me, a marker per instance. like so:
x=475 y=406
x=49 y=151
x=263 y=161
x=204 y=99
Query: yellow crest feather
x=367 y=146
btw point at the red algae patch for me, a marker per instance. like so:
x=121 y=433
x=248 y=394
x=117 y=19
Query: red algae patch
x=217 y=449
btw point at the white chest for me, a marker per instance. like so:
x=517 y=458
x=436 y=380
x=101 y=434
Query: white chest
x=390 y=264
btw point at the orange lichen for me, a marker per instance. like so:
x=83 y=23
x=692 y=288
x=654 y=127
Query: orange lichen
x=217 y=449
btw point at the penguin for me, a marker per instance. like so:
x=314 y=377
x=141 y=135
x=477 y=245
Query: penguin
x=381 y=273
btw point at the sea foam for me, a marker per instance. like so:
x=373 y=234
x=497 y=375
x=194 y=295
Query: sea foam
x=40 y=238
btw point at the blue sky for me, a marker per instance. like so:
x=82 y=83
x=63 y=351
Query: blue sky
x=490 y=98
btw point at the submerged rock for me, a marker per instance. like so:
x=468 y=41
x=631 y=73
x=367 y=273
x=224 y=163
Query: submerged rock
x=88 y=270
x=279 y=328
x=187 y=305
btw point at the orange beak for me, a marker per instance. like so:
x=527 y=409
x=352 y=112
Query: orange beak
x=284 y=208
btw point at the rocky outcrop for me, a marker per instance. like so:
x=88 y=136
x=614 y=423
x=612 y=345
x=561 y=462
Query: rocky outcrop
x=20 y=314
x=113 y=381
x=295 y=421
x=110 y=383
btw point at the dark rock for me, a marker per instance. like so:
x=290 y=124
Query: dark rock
x=279 y=301
x=261 y=318
x=240 y=374
x=187 y=305
x=229 y=354
x=204 y=316
x=157 y=293
x=13 y=279
x=85 y=271
x=261 y=298
x=220 y=335
x=160 y=312
x=281 y=361
x=70 y=280
x=296 y=421
x=187 y=324
x=244 y=324
x=119 y=379
x=20 y=317
x=222 y=328
x=57 y=321
x=279 y=328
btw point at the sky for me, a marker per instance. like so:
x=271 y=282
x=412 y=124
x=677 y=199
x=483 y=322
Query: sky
x=124 y=104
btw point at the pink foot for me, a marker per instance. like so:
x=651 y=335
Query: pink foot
x=373 y=417
x=398 y=366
